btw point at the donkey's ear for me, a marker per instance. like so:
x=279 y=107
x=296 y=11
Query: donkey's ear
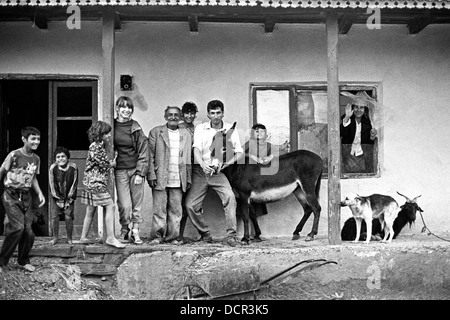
x=231 y=130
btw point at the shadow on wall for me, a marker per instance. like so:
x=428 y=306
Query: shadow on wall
x=135 y=95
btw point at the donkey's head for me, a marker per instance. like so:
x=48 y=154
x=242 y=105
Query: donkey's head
x=222 y=147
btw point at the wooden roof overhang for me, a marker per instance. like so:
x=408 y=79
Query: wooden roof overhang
x=415 y=15
x=338 y=17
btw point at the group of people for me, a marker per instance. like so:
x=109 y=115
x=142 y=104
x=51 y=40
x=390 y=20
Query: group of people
x=175 y=159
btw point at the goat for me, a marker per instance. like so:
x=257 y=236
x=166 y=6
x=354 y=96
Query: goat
x=407 y=215
x=299 y=172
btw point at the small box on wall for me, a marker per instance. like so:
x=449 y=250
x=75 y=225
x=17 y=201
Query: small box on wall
x=126 y=82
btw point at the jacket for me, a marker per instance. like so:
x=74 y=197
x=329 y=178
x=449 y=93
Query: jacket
x=348 y=132
x=159 y=153
x=141 y=147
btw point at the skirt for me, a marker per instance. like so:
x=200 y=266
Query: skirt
x=96 y=199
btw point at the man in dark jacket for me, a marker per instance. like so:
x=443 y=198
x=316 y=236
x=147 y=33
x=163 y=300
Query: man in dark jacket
x=357 y=136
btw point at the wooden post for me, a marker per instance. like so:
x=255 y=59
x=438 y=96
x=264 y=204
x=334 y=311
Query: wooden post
x=107 y=113
x=334 y=143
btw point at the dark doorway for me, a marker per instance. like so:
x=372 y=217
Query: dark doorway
x=62 y=109
x=25 y=103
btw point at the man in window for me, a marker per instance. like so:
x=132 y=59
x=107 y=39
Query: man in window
x=358 y=135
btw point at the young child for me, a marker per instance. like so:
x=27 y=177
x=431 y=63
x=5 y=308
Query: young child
x=21 y=167
x=95 y=181
x=257 y=148
x=63 y=180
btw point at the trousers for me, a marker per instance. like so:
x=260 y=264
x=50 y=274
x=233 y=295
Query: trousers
x=18 y=231
x=167 y=213
x=129 y=197
x=197 y=193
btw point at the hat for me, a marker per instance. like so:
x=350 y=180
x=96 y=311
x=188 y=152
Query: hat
x=259 y=126
x=360 y=97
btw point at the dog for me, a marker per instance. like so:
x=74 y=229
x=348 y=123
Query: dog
x=375 y=206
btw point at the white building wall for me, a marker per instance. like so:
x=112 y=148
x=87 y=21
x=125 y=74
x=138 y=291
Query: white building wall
x=170 y=65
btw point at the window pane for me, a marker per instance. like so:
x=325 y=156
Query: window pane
x=273 y=112
x=312 y=123
x=361 y=157
x=74 y=101
x=72 y=134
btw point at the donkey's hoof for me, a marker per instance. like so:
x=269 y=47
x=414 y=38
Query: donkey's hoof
x=257 y=239
x=309 y=238
x=245 y=241
x=295 y=237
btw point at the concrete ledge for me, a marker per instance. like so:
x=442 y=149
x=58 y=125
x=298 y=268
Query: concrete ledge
x=407 y=264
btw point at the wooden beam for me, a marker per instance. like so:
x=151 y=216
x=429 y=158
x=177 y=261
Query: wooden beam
x=293 y=119
x=107 y=113
x=193 y=23
x=269 y=24
x=108 y=40
x=334 y=141
x=419 y=23
x=345 y=23
x=40 y=21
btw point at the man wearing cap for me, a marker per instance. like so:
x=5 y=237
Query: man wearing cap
x=357 y=135
x=258 y=149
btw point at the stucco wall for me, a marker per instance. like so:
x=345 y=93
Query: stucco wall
x=170 y=65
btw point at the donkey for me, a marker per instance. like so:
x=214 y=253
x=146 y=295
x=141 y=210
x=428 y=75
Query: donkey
x=299 y=172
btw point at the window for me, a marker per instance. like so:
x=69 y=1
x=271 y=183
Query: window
x=296 y=117
x=73 y=111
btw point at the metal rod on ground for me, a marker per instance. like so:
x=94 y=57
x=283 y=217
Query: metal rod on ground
x=290 y=268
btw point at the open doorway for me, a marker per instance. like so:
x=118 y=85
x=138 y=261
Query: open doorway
x=25 y=103
x=62 y=110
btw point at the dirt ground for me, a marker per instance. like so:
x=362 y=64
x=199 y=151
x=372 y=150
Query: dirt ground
x=64 y=282
x=54 y=282
x=50 y=283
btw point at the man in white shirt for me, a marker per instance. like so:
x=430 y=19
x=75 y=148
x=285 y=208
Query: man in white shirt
x=205 y=175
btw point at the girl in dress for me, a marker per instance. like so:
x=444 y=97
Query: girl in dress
x=95 y=180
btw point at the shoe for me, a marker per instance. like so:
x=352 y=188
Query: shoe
x=124 y=235
x=232 y=242
x=134 y=237
x=84 y=241
x=155 y=241
x=115 y=243
x=28 y=267
x=206 y=237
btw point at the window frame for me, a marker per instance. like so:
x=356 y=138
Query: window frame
x=294 y=87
